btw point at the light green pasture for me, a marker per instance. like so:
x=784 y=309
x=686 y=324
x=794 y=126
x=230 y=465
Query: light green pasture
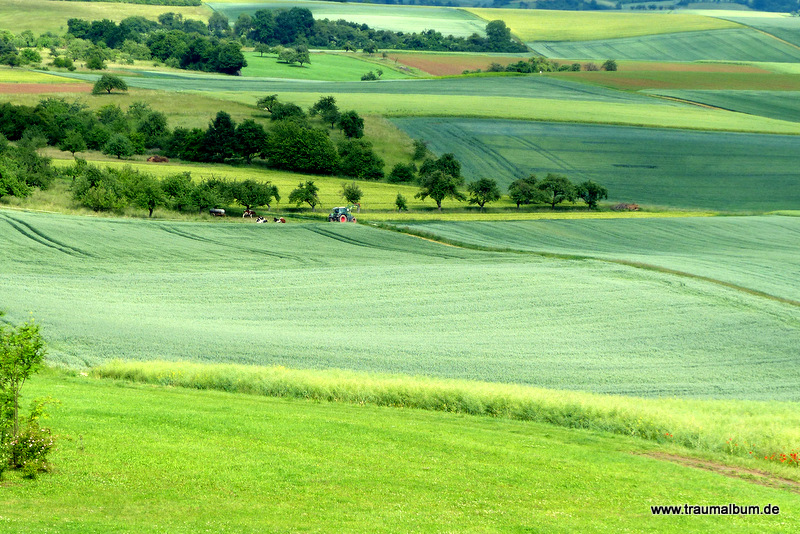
x=544 y=25
x=330 y=295
x=783 y=105
x=199 y=461
x=328 y=67
x=41 y=16
x=534 y=98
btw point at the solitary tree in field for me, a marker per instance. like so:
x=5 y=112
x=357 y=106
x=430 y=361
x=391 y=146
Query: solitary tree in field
x=305 y=192
x=591 y=193
x=352 y=193
x=557 y=189
x=439 y=185
x=400 y=202
x=483 y=191
x=107 y=83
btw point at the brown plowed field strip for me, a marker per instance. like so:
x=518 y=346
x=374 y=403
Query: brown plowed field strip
x=36 y=88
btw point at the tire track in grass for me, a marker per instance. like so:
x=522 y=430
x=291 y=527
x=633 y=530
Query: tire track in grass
x=324 y=232
x=39 y=237
x=195 y=237
x=429 y=236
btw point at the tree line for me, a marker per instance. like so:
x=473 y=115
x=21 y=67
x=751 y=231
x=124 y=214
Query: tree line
x=216 y=46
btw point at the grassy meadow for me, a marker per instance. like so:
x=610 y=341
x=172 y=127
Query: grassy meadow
x=543 y=25
x=353 y=297
x=42 y=16
x=652 y=166
x=326 y=67
x=214 y=461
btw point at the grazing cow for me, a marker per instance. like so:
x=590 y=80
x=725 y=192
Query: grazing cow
x=249 y=213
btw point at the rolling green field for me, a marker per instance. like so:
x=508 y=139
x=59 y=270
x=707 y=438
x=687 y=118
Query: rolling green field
x=781 y=25
x=737 y=44
x=406 y=19
x=41 y=16
x=327 y=67
x=534 y=98
x=783 y=105
x=757 y=253
x=544 y=25
x=353 y=297
x=651 y=166
x=209 y=461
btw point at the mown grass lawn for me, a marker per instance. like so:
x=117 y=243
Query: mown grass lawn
x=152 y=459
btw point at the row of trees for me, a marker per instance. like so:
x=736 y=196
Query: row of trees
x=542 y=64
x=112 y=189
x=179 y=43
x=298 y=26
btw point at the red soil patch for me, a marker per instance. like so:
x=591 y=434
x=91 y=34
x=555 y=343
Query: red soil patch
x=446 y=65
x=36 y=88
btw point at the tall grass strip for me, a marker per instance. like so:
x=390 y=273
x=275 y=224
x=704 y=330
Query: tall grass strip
x=734 y=427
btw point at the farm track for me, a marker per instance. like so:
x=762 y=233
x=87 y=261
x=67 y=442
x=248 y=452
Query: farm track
x=39 y=237
x=237 y=246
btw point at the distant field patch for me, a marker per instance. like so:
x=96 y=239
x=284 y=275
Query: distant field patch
x=543 y=25
x=781 y=25
x=9 y=75
x=327 y=67
x=784 y=105
x=629 y=66
x=638 y=80
x=680 y=168
x=447 y=64
x=40 y=16
x=41 y=88
x=741 y=44
x=448 y=21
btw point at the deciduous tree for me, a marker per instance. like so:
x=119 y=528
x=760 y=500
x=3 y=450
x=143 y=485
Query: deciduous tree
x=482 y=191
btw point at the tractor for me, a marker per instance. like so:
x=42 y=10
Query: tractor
x=341 y=214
